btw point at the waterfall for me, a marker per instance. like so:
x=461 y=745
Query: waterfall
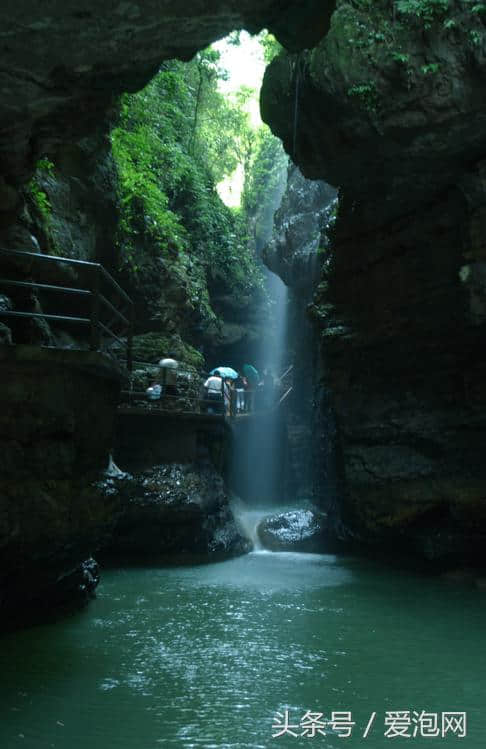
x=247 y=521
x=259 y=458
x=274 y=350
x=283 y=459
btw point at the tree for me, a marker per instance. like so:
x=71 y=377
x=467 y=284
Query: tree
x=175 y=141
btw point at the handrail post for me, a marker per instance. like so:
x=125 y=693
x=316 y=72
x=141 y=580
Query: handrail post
x=95 y=310
x=131 y=318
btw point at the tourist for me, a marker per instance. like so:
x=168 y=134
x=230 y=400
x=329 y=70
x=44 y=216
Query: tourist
x=168 y=375
x=248 y=395
x=213 y=388
x=228 y=396
x=153 y=392
x=240 y=394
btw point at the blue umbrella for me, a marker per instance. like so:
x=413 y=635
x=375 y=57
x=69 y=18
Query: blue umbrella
x=252 y=374
x=224 y=372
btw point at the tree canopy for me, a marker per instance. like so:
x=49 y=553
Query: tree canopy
x=174 y=142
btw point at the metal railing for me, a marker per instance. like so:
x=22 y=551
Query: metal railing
x=286 y=384
x=100 y=305
x=287 y=377
x=184 y=395
x=181 y=400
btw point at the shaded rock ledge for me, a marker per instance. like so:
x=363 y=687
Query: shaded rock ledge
x=175 y=510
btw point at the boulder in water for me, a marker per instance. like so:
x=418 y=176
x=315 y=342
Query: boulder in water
x=298 y=530
x=175 y=510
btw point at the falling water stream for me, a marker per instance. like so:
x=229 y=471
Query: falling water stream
x=248 y=520
x=274 y=342
x=258 y=469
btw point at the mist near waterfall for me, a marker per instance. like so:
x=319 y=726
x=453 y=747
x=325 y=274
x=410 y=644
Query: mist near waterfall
x=260 y=446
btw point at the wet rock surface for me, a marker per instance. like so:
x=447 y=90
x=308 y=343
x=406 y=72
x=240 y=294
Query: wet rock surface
x=300 y=226
x=388 y=105
x=79 y=59
x=176 y=510
x=387 y=109
x=56 y=418
x=298 y=530
x=83 y=207
x=49 y=599
x=405 y=367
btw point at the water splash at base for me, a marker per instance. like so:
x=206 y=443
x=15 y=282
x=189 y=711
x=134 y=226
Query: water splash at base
x=248 y=521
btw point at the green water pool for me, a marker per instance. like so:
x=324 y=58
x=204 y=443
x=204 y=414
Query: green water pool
x=225 y=655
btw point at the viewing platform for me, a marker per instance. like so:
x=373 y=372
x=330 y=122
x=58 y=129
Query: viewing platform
x=193 y=403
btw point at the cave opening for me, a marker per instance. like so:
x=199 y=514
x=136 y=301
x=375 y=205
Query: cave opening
x=303 y=618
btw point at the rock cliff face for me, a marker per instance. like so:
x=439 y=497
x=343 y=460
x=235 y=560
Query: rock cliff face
x=62 y=63
x=56 y=419
x=173 y=501
x=389 y=110
x=405 y=365
x=299 y=231
x=82 y=214
x=388 y=104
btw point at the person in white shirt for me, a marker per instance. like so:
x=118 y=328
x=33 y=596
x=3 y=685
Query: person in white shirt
x=214 y=393
x=168 y=369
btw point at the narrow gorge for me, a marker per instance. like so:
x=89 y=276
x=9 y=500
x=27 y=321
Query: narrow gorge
x=242 y=308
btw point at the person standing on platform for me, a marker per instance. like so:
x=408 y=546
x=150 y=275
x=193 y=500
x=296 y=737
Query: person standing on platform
x=228 y=391
x=168 y=375
x=214 y=394
x=240 y=394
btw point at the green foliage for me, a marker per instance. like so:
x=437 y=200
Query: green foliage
x=39 y=196
x=175 y=141
x=475 y=37
x=151 y=347
x=430 y=69
x=366 y=94
x=45 y=165
x=40 y=199
x=479 y=9
x=234 y=38
x=271 y=47
x=400 y=57
x=141 y=155
x=427 y=11
x=381 y=37
x=265 y=172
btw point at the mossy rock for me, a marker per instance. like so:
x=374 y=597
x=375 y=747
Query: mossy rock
x=151 y=347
